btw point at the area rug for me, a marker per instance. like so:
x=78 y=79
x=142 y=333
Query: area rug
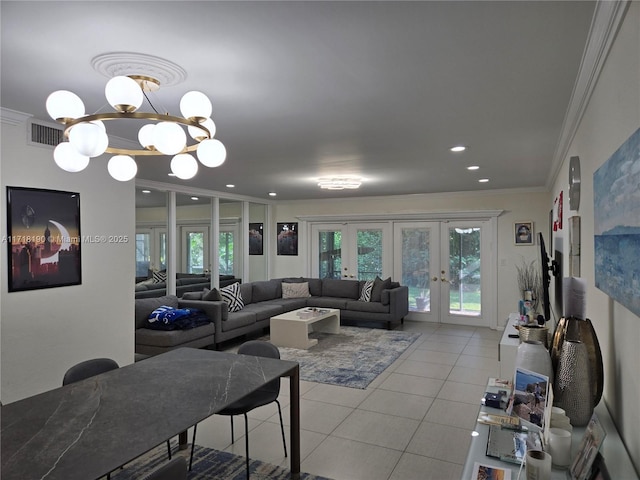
x=353 y=358
x=208 y=464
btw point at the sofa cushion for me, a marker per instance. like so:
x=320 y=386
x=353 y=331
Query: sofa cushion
x=239 y=319
x=231 y=294
x=378 y=286
x=264 y=290
x=340 y=288
x=160 y=277
x=173 y=338
x=264 y=310
x=295 y=290
x=327 y=302
x=212 y=295
x=144 y=307
x=371 y=307
x=191 y=296
x=246 y=290
x=365 y=294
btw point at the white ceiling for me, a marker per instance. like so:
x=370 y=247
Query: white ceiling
x=308 y=89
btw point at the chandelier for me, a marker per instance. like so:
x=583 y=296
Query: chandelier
x=162 y=134
x=339 y=183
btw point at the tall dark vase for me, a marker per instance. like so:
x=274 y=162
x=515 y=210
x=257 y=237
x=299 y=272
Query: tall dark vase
x=575 y=329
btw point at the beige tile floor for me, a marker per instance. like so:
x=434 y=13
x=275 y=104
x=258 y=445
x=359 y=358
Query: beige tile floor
x=413 y=422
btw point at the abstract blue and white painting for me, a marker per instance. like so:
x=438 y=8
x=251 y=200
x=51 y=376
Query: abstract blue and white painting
x=616 y=197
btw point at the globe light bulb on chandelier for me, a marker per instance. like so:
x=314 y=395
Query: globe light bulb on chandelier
x=87 y=135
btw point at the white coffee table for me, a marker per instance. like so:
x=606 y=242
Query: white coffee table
x=292 y=329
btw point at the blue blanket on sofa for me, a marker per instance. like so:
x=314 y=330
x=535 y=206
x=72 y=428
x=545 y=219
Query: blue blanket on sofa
x=169 y=318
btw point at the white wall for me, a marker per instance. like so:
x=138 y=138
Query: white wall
x=612 y=115
x=44 y=332
x=517 y=206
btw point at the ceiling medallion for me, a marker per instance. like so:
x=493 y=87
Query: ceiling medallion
x=114 y=64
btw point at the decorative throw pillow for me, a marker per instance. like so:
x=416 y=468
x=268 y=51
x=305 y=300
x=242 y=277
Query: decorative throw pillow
x=231 y=295
x=365 y=296
x=212 y=295
x=378 y=286
x=295 y=290
x=160 y=277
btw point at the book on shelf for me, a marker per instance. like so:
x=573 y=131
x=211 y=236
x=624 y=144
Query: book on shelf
x=495 y=419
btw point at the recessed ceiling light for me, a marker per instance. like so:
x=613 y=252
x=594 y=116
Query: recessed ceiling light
x=230 y=185
x=483 y=180
x=458 y=148
x=194 y=198
x=146 y=191
x=473 y=167
x=272 y=194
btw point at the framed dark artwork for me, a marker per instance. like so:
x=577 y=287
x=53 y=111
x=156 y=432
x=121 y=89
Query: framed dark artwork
x=256 y=244
x=43 y=238
x=287 y=238
x=523 y=233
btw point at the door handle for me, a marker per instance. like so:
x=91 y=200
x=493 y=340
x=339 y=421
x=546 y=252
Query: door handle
x=444 y=280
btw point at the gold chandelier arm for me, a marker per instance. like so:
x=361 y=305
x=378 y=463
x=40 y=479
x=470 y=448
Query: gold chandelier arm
x=138 y=116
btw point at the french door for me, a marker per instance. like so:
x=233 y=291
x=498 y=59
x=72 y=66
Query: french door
x=357 y=251
x=444 y=264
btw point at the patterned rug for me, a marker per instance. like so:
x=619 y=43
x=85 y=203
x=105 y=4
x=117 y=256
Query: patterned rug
x=208 y=464
x=353 y=358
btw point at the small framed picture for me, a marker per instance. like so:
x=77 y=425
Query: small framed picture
x=523 y=233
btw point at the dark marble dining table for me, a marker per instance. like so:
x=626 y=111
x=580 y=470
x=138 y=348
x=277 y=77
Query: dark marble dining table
x=87 y=429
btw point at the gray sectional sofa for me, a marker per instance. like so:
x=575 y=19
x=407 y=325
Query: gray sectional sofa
x=185 y=282
x=263 y=300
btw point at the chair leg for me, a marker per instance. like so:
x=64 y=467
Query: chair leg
x=169 y=448
x=246 y=442
x=284 y=441
x=193 y=446
x=233 y=440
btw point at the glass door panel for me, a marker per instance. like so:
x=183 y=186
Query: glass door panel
x=143 y=253
x=417 y=266
x=195 y=248
x=369 y=253
x=226 y=252
x=328 y=252
x=462 y=272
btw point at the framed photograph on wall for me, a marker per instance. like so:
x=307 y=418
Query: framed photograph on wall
x=523 y=233
x=287 y=238
x=43 y=238
x=256 y=244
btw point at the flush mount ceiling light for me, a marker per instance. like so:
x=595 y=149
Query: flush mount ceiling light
x=339 y=183
x=162 y=134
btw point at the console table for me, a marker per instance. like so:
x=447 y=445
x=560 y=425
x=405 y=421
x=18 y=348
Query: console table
x=87 y=429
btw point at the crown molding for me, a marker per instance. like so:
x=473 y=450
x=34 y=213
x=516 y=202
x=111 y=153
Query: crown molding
x=607 y=19
x=13 y=117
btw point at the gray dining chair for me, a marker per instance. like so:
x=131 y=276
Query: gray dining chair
x=263 y=396
x=175 y=469
x=90 y=368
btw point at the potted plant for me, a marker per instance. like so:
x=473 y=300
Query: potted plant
x=529 y=280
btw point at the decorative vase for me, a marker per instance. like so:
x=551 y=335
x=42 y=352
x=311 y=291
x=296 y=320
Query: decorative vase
x=572 y=328
x=534 y=332
x=532 y=355
x=572 y=388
